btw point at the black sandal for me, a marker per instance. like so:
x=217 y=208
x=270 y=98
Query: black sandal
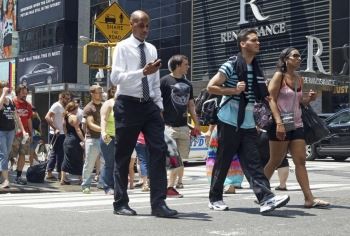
x=281 y=189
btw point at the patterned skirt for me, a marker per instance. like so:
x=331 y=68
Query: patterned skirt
x=234 y=175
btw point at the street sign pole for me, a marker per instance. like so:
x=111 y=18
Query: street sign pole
x=109 y=55
x=109 y=64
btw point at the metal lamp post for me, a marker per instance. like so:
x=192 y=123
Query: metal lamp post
x=49 y=82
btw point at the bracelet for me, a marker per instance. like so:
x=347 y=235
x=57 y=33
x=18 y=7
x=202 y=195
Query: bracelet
x=279 y=123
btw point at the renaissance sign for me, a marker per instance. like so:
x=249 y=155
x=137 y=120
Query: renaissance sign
x=266 y=30
x=255 y=9
x=276 y=29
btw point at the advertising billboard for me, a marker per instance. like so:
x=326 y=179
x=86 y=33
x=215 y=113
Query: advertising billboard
x=8 y=27
x=7 y=69
x=33 y=13
x=40 y=67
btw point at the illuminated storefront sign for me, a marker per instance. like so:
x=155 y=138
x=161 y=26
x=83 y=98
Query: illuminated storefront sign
x=319 y=81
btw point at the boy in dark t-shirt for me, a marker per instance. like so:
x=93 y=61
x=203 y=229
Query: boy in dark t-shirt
x=177 y=94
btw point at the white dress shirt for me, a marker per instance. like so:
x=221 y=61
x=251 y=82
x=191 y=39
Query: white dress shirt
x=127 y=74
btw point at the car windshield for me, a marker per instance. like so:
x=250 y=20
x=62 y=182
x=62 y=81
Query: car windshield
x=41 y=67
x=342 y=118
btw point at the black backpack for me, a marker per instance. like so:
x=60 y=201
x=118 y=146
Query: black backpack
x=202 y=97
x=207 y=106
x=36 y=173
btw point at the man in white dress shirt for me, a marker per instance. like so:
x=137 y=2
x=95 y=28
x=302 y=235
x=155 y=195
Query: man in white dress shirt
x=138 y=107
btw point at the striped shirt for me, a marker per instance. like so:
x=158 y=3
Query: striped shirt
x=228 y=113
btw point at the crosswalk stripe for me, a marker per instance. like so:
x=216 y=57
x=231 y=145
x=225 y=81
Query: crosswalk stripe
x=74 y=200
x=196 y=188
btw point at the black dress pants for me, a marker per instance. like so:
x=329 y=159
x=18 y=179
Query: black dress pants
x=131 y=117
x=243 y=142
x=57 y=154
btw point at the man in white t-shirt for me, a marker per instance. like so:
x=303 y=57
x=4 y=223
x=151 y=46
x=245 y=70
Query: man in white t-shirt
x=80 y=114
x=54 y=118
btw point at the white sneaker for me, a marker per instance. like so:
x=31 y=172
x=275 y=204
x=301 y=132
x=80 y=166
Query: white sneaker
x=273 y=203
x=86 y=190
x=218 y=206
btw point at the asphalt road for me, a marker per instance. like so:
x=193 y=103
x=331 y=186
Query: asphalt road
x=72 y=213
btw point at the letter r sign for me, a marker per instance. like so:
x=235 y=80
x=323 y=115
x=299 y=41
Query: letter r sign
x=255 y=11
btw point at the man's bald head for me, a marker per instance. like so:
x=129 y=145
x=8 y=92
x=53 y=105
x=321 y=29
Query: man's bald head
x=138 y=15
x=139 y=21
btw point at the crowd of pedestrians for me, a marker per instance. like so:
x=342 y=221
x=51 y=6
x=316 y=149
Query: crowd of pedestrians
x=135 y=118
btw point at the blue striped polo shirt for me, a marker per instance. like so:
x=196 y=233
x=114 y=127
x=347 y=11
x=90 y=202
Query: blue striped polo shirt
x=228 y=113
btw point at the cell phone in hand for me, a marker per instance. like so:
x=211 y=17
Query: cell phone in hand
x=157 y=62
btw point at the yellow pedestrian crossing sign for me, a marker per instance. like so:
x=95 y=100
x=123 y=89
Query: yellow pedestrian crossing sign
x=114 y=23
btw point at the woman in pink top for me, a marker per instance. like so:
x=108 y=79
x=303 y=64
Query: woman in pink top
x=284 y=99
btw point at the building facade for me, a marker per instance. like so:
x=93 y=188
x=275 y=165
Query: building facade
x=319 y=29
x=204 y=30
x=170 y=26
x=8 y=41
x=48 y=62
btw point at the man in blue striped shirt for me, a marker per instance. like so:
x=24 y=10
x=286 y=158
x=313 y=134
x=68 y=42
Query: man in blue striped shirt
x=242 y=79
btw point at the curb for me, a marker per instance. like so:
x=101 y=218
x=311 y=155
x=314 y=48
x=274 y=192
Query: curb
x=17 y=190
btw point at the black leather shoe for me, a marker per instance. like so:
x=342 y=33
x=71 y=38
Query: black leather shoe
x=163 y=211
x=124 y=210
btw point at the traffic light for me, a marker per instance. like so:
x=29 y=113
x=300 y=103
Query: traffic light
x=94 y=54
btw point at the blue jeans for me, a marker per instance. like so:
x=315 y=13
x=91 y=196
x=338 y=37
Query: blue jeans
x=143 y=156
x=92 y=151
x=108 y=152
x=6 y=139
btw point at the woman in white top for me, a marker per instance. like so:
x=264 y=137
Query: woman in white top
x=9 y=119
x=8 y=28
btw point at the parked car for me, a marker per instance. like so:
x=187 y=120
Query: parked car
x=337 y=143
x=40 y=74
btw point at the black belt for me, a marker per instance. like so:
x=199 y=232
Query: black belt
x=132 y=99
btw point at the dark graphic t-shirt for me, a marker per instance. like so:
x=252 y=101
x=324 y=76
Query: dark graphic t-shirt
x=176 y=93
x=7 y=117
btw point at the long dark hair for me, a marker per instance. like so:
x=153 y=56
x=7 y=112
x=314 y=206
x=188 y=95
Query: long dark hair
x=281 y=63
x=7 y=5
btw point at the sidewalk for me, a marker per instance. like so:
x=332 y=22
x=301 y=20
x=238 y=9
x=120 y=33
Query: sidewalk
x=47 y=186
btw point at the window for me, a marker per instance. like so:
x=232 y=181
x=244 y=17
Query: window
x=340 y=119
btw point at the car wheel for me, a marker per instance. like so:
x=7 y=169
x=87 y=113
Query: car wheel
x=310 y=153
x=340 y=158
